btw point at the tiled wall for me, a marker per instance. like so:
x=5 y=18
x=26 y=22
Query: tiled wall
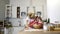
x=40 y=5
x=13 y=30
x=2 y=8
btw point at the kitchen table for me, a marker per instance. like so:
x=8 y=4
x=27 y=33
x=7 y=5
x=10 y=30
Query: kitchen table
x=39 y=32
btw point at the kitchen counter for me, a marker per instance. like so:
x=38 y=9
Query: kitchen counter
x=39 y=32
x=1 y=32
x=13 y=30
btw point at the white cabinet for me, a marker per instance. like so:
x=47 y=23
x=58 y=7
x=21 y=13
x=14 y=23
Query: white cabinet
x=15 y=22
x=13 y=30
x=8 y=11
x=17 y=30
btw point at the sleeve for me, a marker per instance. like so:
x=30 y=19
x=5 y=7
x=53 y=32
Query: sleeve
x=27 y=20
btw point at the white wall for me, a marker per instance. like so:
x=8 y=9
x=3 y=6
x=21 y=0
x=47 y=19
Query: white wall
x=40 y=5
x=53 y=10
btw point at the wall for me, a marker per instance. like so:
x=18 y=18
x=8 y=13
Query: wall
x=40 y=5
x=53 y=10
x=2 y=8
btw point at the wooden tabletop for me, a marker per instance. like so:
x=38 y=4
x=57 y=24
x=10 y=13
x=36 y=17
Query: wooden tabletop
x=39 y=32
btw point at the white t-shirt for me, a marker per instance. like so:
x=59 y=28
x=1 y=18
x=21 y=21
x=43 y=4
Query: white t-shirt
x=29 y=20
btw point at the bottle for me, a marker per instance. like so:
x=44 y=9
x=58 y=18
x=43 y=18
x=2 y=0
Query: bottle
x=48 y=20
x=45 y=26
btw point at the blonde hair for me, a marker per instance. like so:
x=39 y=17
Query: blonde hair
x=30 y=14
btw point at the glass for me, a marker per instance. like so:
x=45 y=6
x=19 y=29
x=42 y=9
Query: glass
x=51 y=27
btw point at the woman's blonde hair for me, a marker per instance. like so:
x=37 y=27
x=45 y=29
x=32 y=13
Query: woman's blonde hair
x=30 y=14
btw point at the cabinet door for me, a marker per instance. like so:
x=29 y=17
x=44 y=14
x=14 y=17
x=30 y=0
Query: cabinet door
x=14 y=12
x=8 y=11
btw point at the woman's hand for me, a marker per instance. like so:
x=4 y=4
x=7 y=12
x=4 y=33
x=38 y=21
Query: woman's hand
x=38 y=26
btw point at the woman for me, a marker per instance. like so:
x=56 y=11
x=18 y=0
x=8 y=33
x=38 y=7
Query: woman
x=34 y=21
x=29 y=19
